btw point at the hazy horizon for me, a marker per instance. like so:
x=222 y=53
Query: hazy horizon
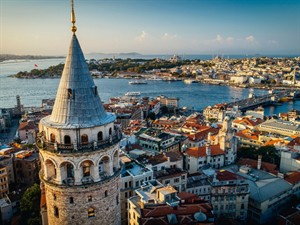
x=153 y=27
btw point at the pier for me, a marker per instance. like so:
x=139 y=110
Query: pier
x=271 y=98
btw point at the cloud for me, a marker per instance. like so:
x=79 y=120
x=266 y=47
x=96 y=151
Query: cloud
x=223 y=40
x=143 y=36
x=250 y=39
x=219 y=38
x=168 y=37
x=229 y=39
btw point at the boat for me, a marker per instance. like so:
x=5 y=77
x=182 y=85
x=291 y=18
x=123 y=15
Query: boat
x=133 y=93
x=137 y=82
x=190 y=81
x=154 y=78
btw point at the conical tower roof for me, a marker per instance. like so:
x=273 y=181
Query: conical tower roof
x=77 y=102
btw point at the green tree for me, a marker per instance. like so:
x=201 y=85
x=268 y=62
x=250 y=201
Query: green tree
x=30 y=205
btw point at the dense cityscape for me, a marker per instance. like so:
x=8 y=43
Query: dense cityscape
x=141 y=160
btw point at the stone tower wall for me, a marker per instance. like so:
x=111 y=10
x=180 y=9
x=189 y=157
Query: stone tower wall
x=103 y=197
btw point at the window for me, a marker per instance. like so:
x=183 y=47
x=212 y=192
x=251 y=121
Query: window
x=91 y=212
x=70 y=93
x=100 y=136
x=105 y=194
x=70 y=171
x=71 y=200
x=67 y=140
x=90 y=198
x=56 y=213
x=95 y=90
x=52 y=138
x=84 y=139
x=176 y=180
x=110 y=131
x=86 y=169
x=54 y=196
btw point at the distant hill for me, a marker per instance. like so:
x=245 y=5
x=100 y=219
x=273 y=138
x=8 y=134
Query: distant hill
x=4 y=57
x=96 y=55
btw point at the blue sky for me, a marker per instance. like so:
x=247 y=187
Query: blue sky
x=152 y=26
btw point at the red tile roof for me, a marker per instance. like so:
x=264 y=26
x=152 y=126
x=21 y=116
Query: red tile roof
x=224 y=175
x=201 y=151
x=293 y=178
x=27 y=126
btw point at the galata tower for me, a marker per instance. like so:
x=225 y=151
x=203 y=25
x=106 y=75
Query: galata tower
x=79 y=150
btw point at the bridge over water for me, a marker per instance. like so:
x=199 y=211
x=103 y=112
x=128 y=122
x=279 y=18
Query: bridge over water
x=263 y=100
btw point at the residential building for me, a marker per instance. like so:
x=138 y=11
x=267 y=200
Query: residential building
x=198 y=184
x=26 y=167
x=26 y=130
x=157 y=204
x=229 y=195
x=4 y=188
x=132 y=177
x=175 y=177
x=172 y=103
x=290 y=160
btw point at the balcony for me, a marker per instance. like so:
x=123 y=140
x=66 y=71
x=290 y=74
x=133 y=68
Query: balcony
x=76 y=148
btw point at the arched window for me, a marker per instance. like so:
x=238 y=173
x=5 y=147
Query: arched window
x=100 y=136
x=70 y=170
x=67 y=140
x=84 y=139
x=91 y=212
x=86 y=169
x=110 y=131
x=52 y=138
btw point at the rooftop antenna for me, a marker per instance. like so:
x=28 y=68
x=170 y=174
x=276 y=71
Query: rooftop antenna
x=73 y=19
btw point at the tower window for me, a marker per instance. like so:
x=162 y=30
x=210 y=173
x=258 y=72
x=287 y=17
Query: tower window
x=100 y=136
x=110 y=131
x=86 y=169
x=71 y=200
x=56 y=213
x=52 y=138
x=95 y=89
x=70 y=93
x=70 y=170
x=67 y=140
x=91 y=212
x=105 y=193
x=84 y=139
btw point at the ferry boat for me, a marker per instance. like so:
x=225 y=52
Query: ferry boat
x=133 y=93
x=189 y=81
x=137 y=82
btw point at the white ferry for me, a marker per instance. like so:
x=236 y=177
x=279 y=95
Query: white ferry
x=133 y=93
x=137 y=82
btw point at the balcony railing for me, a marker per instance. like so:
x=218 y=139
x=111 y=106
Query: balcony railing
x=104 y=177
x=73 y=148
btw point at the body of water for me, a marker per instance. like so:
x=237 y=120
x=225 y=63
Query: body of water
x=195 y=95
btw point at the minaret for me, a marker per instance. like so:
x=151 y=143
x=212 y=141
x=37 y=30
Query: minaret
x=79 y=150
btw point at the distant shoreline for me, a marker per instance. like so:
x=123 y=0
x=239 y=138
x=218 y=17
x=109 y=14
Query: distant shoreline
x=5 y=57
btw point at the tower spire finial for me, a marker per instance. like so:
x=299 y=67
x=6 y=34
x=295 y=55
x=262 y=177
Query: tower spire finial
x=73 y=19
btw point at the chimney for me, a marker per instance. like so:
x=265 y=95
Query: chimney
x=208 y=150
x=259 y=162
